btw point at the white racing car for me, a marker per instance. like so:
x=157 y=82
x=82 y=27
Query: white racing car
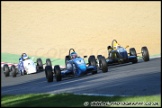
x=25 y=66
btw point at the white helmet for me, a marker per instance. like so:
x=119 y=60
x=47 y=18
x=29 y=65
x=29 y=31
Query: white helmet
x=25 y=56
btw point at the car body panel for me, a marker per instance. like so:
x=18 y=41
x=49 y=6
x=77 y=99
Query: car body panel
x=28 y=66
x=77 y=67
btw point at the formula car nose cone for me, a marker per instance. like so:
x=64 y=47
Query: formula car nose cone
x=82 y=67
x=32 y=69
x=124 y=54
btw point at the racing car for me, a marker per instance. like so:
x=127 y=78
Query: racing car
x=74 y=66
x=118 y=54
x=25 y=66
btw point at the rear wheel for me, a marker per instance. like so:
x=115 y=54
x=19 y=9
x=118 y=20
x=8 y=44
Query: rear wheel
x=49 y=73
x=103 y=64
x=39 y=65
x=92 y=62
x=48 y=62
x=57 y=71
x=99 y=57
x=6 y=70
x=67 y=58
x=13 y=71
x=132 y=52
x=145 y=53
x=109 y=49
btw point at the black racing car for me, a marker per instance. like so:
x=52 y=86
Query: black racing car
x=118 y=54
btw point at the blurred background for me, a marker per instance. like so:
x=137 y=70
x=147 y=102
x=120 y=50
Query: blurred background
x=50 y=29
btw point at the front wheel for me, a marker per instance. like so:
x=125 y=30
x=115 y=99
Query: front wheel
x=6 y=70
x=145 y=53
x=13 y=71
x=48 y=62
x=39 y=65
x=99 y=57
x=49 y=73
x=92 y=62
x=103 y=64
x=57 y=72
x=132 y=52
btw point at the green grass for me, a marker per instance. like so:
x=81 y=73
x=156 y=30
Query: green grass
x=71 y=100
x=14 y=58
x=11 y=58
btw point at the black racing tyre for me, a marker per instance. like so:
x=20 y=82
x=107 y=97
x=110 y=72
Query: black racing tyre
x=145 y=53
x=48 y=62
x=6 y=70
x=109 y=49
x=39 y=65
x=98 y=57
x=49 y=73
x=57 y=72
x=103 y=64
x=132 y=52
x=13 y=71
x=92 y=62
x=67 y=58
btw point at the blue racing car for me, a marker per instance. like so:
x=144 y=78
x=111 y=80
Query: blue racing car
x=75 y=66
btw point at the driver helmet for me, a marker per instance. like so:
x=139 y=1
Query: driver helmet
x=73 y=55
x=24 y=56
x=117 y=46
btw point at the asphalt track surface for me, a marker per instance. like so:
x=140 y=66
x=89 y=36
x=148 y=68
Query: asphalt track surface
x=143 y=78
